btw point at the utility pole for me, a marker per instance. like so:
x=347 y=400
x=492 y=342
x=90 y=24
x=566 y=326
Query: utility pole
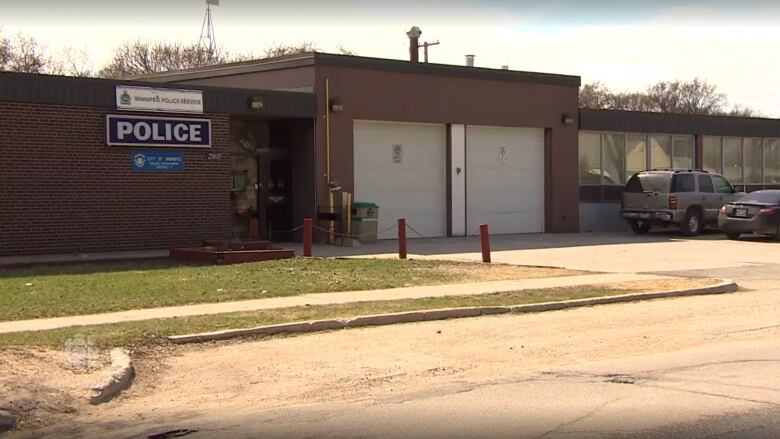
x=425 y=46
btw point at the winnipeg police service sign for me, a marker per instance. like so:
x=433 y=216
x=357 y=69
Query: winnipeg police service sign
x=171 y=100
x=157 y=131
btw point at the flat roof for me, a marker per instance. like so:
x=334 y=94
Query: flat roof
x=360 y=62
x=98 y=92
x=671 y=123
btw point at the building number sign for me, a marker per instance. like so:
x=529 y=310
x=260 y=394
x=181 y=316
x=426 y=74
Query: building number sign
x=502 y=155
x=398 y=154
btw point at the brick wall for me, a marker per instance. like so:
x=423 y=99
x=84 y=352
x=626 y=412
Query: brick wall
x=62 y=189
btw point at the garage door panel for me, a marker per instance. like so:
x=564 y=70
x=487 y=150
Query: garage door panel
x=415 y=187
x=505 y=179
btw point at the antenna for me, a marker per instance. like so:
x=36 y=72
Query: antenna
x=207 y=38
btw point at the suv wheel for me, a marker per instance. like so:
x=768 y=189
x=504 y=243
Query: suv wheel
x=640 y=227
x=692 y=223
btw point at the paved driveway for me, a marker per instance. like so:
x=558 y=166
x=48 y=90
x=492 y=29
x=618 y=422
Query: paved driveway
x=663 y=252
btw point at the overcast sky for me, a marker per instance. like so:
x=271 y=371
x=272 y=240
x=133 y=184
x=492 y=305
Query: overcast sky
x=624 y=44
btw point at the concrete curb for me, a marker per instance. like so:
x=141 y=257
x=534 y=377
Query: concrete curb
x=7 y=421
x=120 y=377
x=725 y=286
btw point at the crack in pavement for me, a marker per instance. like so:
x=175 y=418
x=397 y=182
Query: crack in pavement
x=587 y=415
x=713 y=394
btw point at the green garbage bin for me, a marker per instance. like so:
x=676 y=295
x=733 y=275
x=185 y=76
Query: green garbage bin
x=365 y=221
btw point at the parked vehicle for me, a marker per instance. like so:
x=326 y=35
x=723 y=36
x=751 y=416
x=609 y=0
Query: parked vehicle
x=689 y=199
x=756 y=212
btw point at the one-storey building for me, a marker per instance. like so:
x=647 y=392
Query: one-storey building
x=175 y=158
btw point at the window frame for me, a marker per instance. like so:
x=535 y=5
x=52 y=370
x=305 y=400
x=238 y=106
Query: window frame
x=601 y=159
x=745 y=141
x=708 y=178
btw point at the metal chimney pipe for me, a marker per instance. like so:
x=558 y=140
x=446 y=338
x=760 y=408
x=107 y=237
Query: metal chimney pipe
x=470 y=60
x=504 y=67
x=414 y=43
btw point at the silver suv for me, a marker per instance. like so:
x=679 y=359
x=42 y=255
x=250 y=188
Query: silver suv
x=685 y=198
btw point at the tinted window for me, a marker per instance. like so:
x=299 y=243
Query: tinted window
x=722 y=186
x=768 y=197
x=649 y=183
x=705 y=184
x=683 y=183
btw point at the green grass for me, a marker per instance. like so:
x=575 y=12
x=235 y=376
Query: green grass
x=105 y=287
x=154 y=331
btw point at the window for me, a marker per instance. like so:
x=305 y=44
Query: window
x=732 y=159
x=636 y=154
x=612 y=158
x=590 y=158
x=649 y=182
x=240 y=180
x=705 y=184
x=683 y=183
x=682 y=151
x=712 y=159
x=754 y=161
x=772 y=160
x=721 y=185
x=660 y=152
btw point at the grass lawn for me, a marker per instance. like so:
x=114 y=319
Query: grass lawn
x=105 y=287
x=154 y=331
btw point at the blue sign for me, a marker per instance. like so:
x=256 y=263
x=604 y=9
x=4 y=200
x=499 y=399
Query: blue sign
x=157 y=131
x=153 y=161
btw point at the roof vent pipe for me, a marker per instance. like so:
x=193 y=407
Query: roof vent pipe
x=470 y=60
x=504 y=67
x=414 y=43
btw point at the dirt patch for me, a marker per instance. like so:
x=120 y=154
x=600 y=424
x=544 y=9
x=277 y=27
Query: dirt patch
x=478 y=272
x=668 y=284
x=37 y=386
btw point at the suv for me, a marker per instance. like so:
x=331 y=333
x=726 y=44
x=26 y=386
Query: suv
x=686 y=198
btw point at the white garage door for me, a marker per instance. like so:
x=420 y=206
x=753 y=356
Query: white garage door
x=400 y=167
x=505 y=179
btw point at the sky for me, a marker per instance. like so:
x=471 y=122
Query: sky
x=626 y=45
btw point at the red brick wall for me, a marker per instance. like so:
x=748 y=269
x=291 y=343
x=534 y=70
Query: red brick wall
x=62 y=189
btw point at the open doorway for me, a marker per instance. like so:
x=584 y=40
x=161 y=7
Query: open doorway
x=272 y=166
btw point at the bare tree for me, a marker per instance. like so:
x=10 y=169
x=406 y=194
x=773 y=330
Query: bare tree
x=25 y=54
x=6 y=53
x=141 y=57
x=76 y=62
x=630 y=102
x=289 y=49
x=687 y=97
x=743 y=111
x=683 y=97
x=595 y=95
x=345 y=51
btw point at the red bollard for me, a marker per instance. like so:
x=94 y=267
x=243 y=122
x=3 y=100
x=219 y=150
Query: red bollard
x=484 y=236
x=254 y=228
x=401 y=238
x=307 y=237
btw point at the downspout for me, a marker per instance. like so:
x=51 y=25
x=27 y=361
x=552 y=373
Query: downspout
x=331 y=224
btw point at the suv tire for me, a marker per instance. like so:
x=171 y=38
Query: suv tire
x=733 y=236
x=692 y=224
x=640 y=228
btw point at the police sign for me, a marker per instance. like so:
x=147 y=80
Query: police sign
x=157 y=131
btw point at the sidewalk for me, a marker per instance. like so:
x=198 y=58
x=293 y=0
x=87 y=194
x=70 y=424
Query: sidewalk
x=320 y=299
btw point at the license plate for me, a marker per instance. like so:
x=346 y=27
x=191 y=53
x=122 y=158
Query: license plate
x=740 y=212
x=644 y=215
